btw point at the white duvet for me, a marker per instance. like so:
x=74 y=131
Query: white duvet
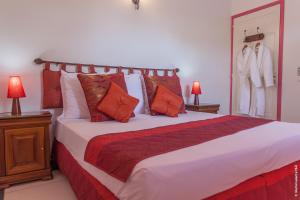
x=191 y=173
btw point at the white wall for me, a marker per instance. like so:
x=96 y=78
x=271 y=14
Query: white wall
x=291 y=83
x=238 y=6
x=191 y=34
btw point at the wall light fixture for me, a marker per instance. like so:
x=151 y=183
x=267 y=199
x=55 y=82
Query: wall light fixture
x=136 y=4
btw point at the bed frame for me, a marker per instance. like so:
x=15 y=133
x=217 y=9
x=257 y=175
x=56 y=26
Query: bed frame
x=275 y=185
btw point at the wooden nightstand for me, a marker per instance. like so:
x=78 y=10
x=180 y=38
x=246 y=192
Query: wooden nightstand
x=203 y=107
x=24 y=148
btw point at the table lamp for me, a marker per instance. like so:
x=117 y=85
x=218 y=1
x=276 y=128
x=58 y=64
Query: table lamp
x=15 y=91
x=196 y=90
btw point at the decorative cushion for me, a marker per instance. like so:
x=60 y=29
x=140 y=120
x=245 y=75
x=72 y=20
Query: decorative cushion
x=134 y=87
x=75 y=106
x=118 y=104
x=170 y=82
x=166 y=102
x=95 y=88
x=52 y=97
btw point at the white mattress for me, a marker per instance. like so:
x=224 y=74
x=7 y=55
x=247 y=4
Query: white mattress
x=191 y=173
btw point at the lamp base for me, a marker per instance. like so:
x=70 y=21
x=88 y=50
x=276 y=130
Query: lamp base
x=196 y=101
x=16 y=108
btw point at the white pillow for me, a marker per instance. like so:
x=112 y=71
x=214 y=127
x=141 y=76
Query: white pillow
x=75 y=105
x=134 y=87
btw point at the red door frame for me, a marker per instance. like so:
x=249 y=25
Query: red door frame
x=280 y=56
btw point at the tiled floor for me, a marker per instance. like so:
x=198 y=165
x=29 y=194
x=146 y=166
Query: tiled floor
x=58 y=189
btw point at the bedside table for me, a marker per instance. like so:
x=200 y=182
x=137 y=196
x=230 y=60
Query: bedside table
x=203 y=107
x=24 y=148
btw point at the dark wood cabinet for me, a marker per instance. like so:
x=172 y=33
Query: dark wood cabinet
x=25 y=147
x=208 y=108
x=2 y=154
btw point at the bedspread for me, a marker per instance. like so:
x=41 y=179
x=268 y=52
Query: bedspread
x=117 y=154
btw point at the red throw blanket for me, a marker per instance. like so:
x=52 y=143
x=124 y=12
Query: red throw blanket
x=117 y=154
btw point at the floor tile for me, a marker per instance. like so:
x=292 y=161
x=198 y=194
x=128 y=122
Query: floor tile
x=57 y=176
x=58 y=189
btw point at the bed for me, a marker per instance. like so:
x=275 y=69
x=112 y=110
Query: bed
x=154 y=157
x=222 y=168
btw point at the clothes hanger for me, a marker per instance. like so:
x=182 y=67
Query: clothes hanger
x=245 y=46
x=257 y=47
x=258 y=43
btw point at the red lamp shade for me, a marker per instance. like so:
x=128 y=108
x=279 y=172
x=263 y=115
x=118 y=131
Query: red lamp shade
x=196 y=88
x=15 y=88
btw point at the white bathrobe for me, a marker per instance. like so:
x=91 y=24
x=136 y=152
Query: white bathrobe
x=248 y=73
x=265 y=66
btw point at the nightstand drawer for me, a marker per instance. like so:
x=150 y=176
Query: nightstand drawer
x=24 y=150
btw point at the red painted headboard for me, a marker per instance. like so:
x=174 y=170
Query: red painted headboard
x=52 y=96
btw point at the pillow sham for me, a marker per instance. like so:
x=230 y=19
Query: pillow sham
x=170 y=82
x=74 y=103
x=118 y=104
x=166 y=102
x=95 y=88
x=51 y=83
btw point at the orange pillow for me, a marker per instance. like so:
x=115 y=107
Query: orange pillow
x=166 y=102
x=170 y=82
x=118 y=104
x=95 y=88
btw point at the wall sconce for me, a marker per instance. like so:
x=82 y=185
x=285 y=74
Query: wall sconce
x=136 y=4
